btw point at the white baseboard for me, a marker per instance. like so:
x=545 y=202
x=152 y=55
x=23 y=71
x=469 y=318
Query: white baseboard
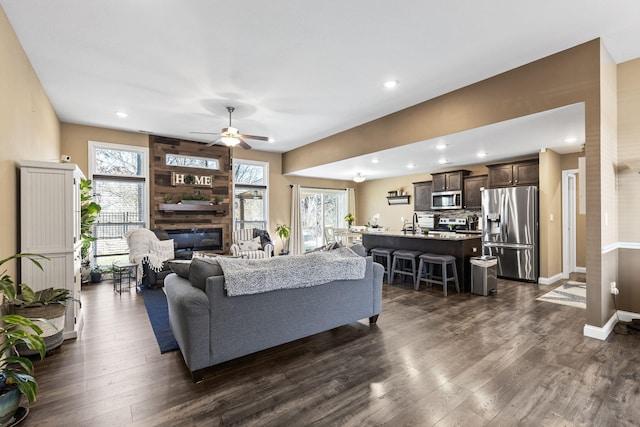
x=601 y=333
x=581 y=270
x=549 y=280
x=627 y=316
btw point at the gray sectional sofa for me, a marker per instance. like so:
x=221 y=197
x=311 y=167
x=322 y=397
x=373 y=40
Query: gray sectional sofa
x=212 y=327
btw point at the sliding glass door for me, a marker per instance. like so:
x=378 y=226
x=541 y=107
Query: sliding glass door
x=321 y=208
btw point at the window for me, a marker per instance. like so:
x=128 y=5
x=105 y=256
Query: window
x=120 y=186
x=191 y=161
x=250 y=201
x=320 y=208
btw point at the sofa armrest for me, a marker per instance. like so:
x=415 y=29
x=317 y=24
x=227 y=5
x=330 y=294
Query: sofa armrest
x=235 y=249
x=268 y=248
x=189 y=317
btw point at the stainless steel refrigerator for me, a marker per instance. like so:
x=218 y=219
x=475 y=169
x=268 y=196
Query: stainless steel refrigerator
x=510 y=231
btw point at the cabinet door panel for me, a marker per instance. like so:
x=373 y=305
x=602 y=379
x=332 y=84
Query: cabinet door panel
x=525 y=174
x=439 y=182
x=472 y=197
x=454 y=181
x=500 y=176
x=422 y=196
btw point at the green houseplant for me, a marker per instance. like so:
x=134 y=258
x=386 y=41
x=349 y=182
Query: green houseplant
x=46 y=308
x=16 y=371
x=89 y=211
x=284 y=231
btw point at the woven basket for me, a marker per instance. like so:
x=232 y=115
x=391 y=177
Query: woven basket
x=52 y=328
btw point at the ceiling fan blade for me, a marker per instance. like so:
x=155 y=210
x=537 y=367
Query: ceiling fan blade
x=259 y=138
x=206 y=133
x=243 y=144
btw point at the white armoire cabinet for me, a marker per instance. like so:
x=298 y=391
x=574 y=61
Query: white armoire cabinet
x=50 y=226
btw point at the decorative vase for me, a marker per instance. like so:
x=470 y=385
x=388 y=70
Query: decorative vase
x=9 y=403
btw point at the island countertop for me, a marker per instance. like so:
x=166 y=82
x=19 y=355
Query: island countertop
x=462 y=246
x=435 y=235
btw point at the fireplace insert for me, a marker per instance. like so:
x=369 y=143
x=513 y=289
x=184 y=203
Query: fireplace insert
x=188 y=240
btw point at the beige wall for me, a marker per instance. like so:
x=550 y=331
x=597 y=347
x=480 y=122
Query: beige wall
x=550 y=219
x=74 y=141
x=29 y=129
x=629 y=185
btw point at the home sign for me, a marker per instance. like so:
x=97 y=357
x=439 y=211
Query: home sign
x=191 y=179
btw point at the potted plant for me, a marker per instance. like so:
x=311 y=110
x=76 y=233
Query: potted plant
x=195 y=198
x=16 y=371
x=46 y=308
x=284 y=231
x=96 y=274
x=89 y=211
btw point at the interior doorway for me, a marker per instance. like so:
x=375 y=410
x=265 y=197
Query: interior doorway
x=569 y=223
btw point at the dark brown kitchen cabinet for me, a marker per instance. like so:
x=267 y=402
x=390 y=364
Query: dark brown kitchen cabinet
x=471 y=194
x=448 y=181
x=422 y=195
x=513 y=174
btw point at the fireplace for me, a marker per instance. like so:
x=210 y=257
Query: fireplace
x=188 y=240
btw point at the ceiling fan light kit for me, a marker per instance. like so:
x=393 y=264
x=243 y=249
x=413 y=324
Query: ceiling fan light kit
x=358 y=178
x=230 y=136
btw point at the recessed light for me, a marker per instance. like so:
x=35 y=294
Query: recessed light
x=571 y=139
x=482 y=154
x=441 y=146
x=390 y=84
x=443 y=161
x=121 y=114
x=375 y=160
x=411 y=165
x=271 y=140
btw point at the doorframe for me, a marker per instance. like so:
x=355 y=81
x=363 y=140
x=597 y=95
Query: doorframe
x=569 y=199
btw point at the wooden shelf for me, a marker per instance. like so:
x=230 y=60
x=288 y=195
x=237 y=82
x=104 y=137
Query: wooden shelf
x=398 y=200
x=188 y=207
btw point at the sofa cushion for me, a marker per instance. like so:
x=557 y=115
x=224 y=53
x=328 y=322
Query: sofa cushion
x=250 y=245
x=163 y=249
x=201 y=268
x=180 y=267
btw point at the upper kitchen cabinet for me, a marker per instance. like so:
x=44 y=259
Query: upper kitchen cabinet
x=448 y=181
x=513 y=174
x=422 y=195
x=471 y=195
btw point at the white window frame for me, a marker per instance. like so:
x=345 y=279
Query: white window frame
x=265 y=165
x=93 y=145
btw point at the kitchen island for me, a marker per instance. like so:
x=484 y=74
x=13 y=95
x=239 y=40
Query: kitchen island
x=460 y=245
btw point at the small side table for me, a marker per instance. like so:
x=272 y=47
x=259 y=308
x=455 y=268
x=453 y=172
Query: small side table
x=123 y=274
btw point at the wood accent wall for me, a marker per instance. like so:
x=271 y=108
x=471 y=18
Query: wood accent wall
x=162 y=216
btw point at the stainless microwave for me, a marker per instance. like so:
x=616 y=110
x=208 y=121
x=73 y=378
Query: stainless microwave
x=446 y=200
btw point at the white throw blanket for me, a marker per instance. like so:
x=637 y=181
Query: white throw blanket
x=144 y=245
x=248 y=276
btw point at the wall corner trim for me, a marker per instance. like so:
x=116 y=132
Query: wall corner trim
x=601 y=333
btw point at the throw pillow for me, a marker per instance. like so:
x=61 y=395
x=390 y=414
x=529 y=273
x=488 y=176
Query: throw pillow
x=201 y=268
x=163 y=249
x=180 y=267
x=250 y=245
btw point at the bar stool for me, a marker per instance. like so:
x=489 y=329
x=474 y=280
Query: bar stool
x=443 y=261
x=384 y=253
x=404 y=255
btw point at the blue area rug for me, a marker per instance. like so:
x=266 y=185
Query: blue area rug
x=155 y=302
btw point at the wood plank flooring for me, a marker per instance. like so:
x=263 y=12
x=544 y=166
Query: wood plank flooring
x=465 y=360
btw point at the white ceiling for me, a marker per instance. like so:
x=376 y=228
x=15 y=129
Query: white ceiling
x=300 y=71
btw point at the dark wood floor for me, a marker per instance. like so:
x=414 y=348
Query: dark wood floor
x=463 y=360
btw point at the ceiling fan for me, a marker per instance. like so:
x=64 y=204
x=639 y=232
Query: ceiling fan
x=230 y=137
